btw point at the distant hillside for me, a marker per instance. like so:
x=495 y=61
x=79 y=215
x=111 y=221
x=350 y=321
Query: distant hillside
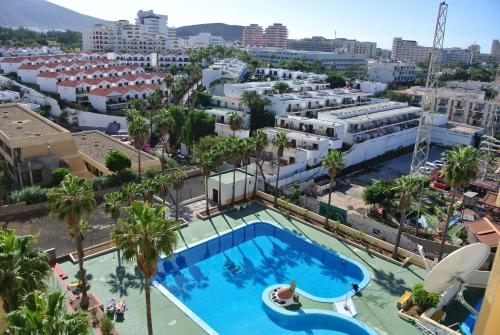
x=43 y=15
x=228 y=32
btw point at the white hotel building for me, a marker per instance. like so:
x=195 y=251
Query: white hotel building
x=227 y=69
x=222 y=127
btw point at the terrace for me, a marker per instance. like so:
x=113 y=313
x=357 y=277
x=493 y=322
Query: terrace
x=375 y=304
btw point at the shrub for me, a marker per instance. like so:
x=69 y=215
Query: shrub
x=98 y=183
x=117 y=161
x=106 y=325
x=59 y=174
x=424 y=299
x=126 y=176
x=31 y=194
x=150 y=173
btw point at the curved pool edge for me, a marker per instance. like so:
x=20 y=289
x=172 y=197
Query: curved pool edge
x=308 y=312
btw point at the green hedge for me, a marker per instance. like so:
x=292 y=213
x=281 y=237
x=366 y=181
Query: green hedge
x=32 y=195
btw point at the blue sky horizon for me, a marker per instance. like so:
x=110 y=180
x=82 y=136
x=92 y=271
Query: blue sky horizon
x=365 y=20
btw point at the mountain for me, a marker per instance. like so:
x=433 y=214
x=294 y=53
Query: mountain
x=227 y=31
x=43 y=15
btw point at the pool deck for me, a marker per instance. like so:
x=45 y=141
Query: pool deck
x=375 y=304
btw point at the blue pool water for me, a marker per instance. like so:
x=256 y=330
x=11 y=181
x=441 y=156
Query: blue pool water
x=222 y=281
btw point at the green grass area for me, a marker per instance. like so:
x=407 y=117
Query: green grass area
x=375 y=304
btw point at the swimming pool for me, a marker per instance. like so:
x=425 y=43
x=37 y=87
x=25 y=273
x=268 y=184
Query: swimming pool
x=220 y=282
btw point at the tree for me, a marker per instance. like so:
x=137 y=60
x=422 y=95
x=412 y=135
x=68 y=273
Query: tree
x=58 y=175
x=149 y=188
x=219 y=155
x=380 y=192
x=235 y=121
x=138 y=130
x=46 y=315
x=260 y=139
x=113 y=201
x=202 y=99
x=168 y=80
x=282 y=87
x=131 y=192
x=145 y=236
x=206 y=164
x=355 y=71
x=247 y=148
x=23 y=268
x=164 y=181
x=335 y=79
x=460 y=168
x=180 y=119
x=177 y=178
x=334 y=162
x=259 y=117
x=233 y=150
x=69 y=202
x=117 y=161
x=165 y=124
x=405 y=188
x=154 y=102
x=198 y=125
x=280 y=141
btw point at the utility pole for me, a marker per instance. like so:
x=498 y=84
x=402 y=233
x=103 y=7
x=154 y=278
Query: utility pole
x=424 y=131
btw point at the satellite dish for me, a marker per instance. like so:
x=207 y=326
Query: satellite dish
x=456 y=267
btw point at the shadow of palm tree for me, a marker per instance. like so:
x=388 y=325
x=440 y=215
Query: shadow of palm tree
x=121 y=281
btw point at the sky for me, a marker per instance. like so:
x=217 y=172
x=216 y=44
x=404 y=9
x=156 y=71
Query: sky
x=378 y=21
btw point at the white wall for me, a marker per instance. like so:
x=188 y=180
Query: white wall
x=450 y=138
x=98 y=102
x=67 y=93
x=224 y=130
x=28 y=76
x=97 y=120
x=47 y=84
x=226 y=192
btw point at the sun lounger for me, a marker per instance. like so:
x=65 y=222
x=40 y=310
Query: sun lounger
x=120 y=307
x=110 y=305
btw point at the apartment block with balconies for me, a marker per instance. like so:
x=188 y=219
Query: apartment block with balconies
x=222 y=126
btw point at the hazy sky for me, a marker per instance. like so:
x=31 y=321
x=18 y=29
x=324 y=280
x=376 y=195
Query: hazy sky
x=365 y=20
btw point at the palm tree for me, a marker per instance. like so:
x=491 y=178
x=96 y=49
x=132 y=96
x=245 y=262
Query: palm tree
x=247 y=148
x=460 y=168
x=168 y=80
x=334 y=162
x=219 y=156
x=178 y=178
x=280 y=141
x=260 y=139
x=235 y=121
x=138 y=130
x=144 y=237
x=164 y=181
x=46 y=315
x=206 y=163
x=154 y=101
x=165 y=124
x=149 y=188
x=406 y=188
x=112 y=203
x=282 y=87
x=23 y=268
x=131 y=192
x=72 y=200
x=233 y=151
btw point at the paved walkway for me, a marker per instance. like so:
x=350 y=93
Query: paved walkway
x=375 y=305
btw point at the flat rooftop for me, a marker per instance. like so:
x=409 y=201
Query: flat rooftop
x=461 y=127
x=18 y=121
x=96 y=146
x=364 y=109
x=380 y=115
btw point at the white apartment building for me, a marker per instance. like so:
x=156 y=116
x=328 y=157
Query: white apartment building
x=222 y=127
x=453 y=134
x=370 y=87
x=149 y=34
x=11 y=64
x=9 y=96
x=341 y=61
x=29 y=50
x=113 y=98
x=161 y=60
x=285 y=74
x=467 y=106
x=266 y=87
x=204 y=40
x=231 y=69
x=391 y=72
x=303 y=103
x=331 y=129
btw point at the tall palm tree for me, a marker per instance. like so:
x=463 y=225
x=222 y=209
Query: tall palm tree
x=164 y=181
x=168 y=80
x=23 y=268
x=406 y=188
x=235 y=121
x=178 y=178
x=219 y=156
x=206 y=163
x=165 y=124
x=247 y=148
x=154 y=102
x=460 y=168
x=282 y=87
x=280 y=141
x=112 y=203
x=138 y=130
x=334 y=162
x=260 y=139
x=233 y=151
x=46 y=314
x=144 y=237
x=70 y=202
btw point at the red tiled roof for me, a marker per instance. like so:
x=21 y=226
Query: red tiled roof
x=103 y=92
x=485 y=231
x=48 y=74
x=31 y=67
